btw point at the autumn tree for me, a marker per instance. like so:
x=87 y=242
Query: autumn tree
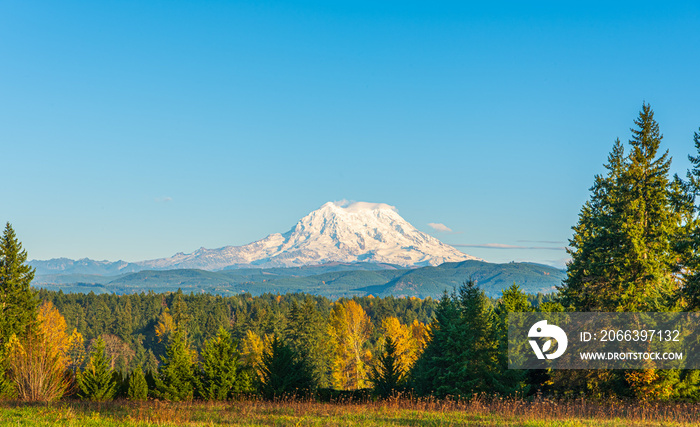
x=252 y=349
x=349 y=330
x=408 y=340
x=38 y=362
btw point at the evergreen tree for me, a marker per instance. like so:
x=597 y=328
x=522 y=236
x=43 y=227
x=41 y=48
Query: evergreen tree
x=176 y=378
x=307 y=336
x=387 y=376
x=220 y=367
x=464 y=354
x=96 y=381
x=689 y=238
x=431 y=374
x=514 y=300
x=18 y=302
x=138 y=387
x=623 y=251
x=284 y=373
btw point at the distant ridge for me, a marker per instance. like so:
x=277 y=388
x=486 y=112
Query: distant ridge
x=330 y=280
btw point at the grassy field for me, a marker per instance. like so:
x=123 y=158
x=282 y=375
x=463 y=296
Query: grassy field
x=392 y=413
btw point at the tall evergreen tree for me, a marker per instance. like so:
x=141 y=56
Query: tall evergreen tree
x=307 y=336
x=18 y=302
x=176 y=378
x=689 y=238
x=284 y=373
x=220 y=367
x=623 y=252
x=96 y=381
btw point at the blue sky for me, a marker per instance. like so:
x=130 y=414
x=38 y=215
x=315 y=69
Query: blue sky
x=134 y=130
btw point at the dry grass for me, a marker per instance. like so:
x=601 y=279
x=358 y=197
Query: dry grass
x=423 y=412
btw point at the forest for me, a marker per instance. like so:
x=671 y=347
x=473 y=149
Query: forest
x=634 y=248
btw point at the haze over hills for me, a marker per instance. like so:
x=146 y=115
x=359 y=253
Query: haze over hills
x=330 y=280
x=337 y=232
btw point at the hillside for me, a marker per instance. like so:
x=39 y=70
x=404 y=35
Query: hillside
x=331 y=280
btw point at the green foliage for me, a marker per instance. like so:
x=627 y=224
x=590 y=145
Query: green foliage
x=317 y=280
x=623 y=251
x=307 y=335
x=284 y=373
x=176 y=378
x=138 y=387
x=386 y=376
x=96 y=382
x=7 y=387
x=688 y=240
x=220 y=367
x=463 y=356
x=18 y=302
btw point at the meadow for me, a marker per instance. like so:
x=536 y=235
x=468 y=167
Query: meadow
x=396 y=412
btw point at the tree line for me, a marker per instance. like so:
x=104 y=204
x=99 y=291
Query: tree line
x=635 y=247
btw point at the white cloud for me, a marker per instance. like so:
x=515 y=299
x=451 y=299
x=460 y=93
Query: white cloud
x=163 y=199
x=439 y=227
x=352 y=206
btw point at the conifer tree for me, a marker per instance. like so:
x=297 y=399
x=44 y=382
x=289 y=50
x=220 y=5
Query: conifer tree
x=387 y=375
x=18 y=302
x=96 y=381
x=307 y=336
x=284 y=373
x=463 y=356
x=623 y=251
x=176 y=380
x=138 y=387
x=688 y=241
x=627 y=249
x=220 y=367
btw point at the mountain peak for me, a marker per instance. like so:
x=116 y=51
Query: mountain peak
x=342 y=231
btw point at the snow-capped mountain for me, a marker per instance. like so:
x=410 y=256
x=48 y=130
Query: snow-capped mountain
x=337 y=232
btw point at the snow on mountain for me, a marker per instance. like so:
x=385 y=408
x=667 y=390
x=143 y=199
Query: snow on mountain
x=337 y=232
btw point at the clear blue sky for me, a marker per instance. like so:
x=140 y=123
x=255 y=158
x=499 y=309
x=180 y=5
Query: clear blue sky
x=134 y=130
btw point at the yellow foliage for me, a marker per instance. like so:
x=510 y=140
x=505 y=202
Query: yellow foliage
x=52 y=326
x=165 y=326
x=38 y=363
x=349 y=329
x=76 y=349
x=421 y=333
x=410 y=340
x=252 y=348
x=646 y=384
